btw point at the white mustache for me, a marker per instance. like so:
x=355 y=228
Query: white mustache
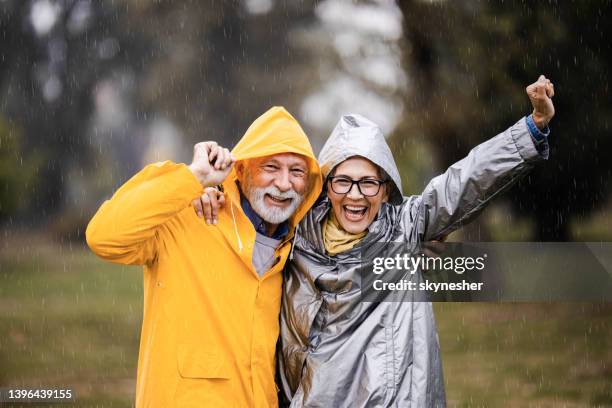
x=276 y=193
x=272 y=214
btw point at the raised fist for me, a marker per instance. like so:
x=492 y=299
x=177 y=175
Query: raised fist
x=540 y=94
x=211 y=163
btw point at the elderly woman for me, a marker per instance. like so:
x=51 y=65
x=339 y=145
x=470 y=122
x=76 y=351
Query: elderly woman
x=337 y=350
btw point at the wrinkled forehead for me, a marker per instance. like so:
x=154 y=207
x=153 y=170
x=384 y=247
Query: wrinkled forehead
x=283 y=159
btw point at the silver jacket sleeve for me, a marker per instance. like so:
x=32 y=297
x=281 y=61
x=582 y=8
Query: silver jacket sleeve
x=454 y=198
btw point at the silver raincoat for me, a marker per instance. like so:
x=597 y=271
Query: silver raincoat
x=337 y=351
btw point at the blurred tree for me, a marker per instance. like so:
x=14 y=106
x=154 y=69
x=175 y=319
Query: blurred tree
x=53 y=54
x=216 y=66
x=84 y=80
x=17 y=176
x=469 y=63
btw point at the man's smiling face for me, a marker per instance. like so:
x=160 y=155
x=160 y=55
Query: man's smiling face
x=274 y=185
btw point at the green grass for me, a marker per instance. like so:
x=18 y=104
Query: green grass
x=69 y=319
x=526 y=354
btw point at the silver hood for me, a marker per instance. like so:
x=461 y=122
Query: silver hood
x=355 y=135
x=338 y=351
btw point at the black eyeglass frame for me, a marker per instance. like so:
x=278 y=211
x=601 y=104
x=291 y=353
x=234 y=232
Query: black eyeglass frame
x=353 y=182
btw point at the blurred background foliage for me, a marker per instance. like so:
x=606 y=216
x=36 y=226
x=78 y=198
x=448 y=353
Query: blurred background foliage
x=470 y=64
x=91 y=91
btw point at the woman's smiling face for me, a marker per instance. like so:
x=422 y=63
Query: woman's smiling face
x=353 y=210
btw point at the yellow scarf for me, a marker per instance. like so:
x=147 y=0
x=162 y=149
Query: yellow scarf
x=337 y=239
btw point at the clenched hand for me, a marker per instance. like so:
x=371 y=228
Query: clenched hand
x=211 y=163
x=540 y=94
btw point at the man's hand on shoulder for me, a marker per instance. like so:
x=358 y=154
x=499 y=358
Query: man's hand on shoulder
x=540 y=94
x=211 y=163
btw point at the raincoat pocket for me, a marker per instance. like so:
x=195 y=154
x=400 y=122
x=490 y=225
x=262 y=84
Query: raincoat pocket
x=200 y=361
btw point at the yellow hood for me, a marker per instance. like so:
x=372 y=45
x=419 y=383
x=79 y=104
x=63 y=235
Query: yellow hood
x=275 y=132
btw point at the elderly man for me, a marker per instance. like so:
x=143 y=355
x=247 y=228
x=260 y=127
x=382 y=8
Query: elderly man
x=212 y=289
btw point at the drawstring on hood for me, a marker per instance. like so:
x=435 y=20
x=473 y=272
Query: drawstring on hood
x=236 y=227
x=297 y=231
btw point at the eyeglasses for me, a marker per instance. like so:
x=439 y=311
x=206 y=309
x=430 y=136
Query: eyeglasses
x=367 y=187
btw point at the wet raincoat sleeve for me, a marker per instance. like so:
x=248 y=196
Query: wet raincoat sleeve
x=126 y=228
x=454 y=198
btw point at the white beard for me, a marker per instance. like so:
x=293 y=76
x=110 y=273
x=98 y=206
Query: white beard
x=273 y=215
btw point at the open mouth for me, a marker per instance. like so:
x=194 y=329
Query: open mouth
x=280 y=201
x=355 y=212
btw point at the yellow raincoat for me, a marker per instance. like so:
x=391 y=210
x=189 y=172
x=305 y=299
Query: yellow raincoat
x=210 y=321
